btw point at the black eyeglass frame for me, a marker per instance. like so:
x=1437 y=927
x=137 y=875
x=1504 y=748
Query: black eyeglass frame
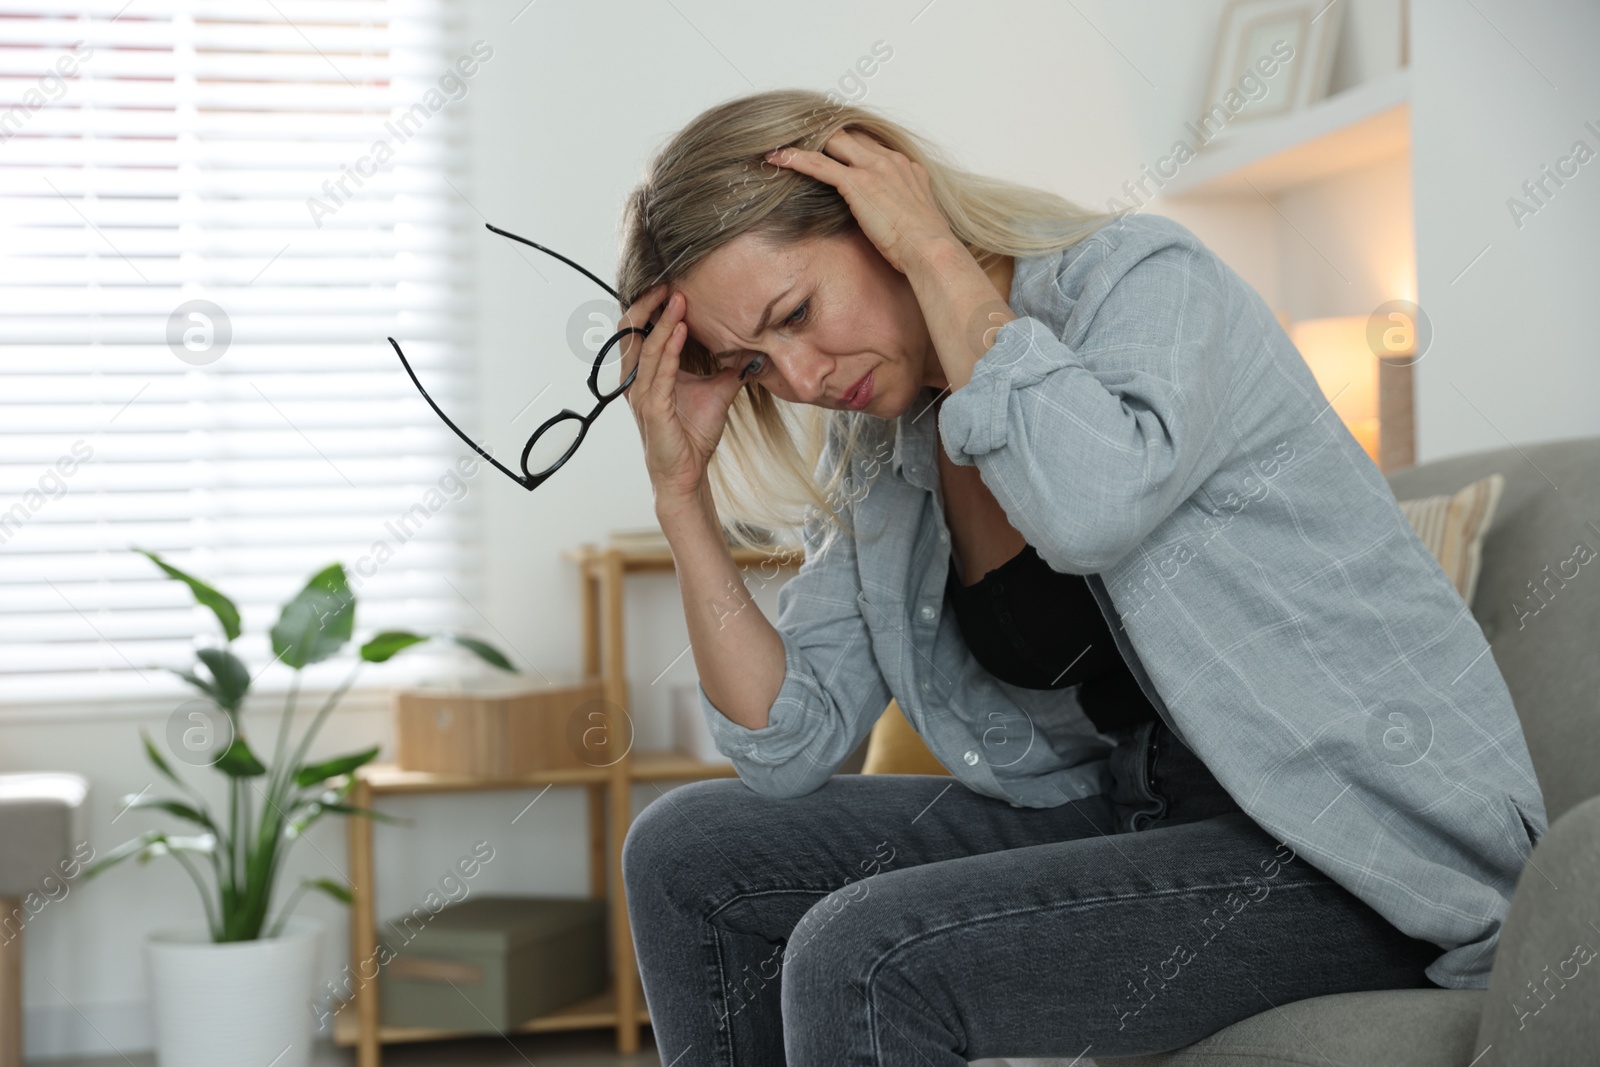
x=527 y=479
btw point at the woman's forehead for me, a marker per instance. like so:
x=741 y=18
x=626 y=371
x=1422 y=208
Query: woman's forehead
x=748 y=260
x=734 y=288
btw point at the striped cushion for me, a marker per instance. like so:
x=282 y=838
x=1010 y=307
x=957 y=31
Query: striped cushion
x=1453 y=527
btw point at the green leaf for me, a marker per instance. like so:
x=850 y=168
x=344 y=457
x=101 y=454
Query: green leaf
x=221 y=606
x=231 y=675
x=239 y=762
x=365 y=813
x=160 y=761
x=122 y=852
x=385 y=645
x=163 y=844
x=334 y=889
x=332 y=794
x=149 y=846
x=317 y=622
x=316 y=773
x=171 y=807
x=485 y=651
x=156 y=844
x=329 y=886
x=316 y=809
x=198 y=682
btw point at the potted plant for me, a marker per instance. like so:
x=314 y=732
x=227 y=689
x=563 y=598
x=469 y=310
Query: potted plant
x=238 y=990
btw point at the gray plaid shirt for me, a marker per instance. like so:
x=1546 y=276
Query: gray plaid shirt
x=1147 y=423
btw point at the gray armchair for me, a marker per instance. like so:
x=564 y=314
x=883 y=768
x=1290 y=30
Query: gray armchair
x=41 y=819
x=1551 y=662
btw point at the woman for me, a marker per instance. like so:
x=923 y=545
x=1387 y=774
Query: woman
x=1222 y=733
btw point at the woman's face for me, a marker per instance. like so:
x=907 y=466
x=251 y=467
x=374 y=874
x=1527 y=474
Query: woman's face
x=812 y=319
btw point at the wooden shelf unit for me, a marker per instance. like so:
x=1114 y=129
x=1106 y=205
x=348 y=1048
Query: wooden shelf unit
x=1351 y=129
x=594 y=1013
x=601 y=571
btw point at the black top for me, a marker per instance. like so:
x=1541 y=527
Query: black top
x=1036 y=628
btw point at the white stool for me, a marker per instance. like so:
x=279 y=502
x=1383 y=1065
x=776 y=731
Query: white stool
x=42 y=817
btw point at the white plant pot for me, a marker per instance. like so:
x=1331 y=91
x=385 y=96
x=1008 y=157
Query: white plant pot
x=237 y=1004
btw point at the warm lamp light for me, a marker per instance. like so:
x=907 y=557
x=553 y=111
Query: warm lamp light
x=1345 y=367
x=1369 y=390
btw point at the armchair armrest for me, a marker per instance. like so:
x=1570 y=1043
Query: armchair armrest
x=1545 y=983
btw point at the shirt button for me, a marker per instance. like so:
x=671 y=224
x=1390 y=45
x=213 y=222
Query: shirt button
x=928 y=613
x=971 y=757
x=927 y=687
x=943 y=536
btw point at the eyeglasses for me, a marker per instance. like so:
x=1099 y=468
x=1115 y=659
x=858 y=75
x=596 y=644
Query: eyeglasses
x=559 y=436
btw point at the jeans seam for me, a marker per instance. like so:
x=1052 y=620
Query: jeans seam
x=1154 y=761
x=776 y=891
x=872 y=1008
x=872 y=1023
x=1096 y=902
x=722 y=991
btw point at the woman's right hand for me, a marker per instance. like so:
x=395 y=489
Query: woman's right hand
x=681 y=416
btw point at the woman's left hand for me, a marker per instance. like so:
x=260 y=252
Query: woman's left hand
x=887 y=192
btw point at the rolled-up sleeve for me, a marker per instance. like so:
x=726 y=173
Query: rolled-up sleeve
x=833 y=690
x=1089 y=448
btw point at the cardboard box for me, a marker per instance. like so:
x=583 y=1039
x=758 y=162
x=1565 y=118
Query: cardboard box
x=490 y=963
x=505 y=735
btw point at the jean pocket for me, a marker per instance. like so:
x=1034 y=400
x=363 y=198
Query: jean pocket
x=1137 y=800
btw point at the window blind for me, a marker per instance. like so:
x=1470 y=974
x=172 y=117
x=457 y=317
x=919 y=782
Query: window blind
x=203 y=246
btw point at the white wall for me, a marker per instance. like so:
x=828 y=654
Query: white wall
x=1338 y=246
x=563 y=119
x=1501 y=89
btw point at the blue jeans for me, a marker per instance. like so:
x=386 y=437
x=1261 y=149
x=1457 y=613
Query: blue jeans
x=905 y=920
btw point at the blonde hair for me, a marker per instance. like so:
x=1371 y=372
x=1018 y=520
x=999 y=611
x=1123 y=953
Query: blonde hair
x=710 y=184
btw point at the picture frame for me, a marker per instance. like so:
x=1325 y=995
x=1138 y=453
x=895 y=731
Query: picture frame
x=1250 y=42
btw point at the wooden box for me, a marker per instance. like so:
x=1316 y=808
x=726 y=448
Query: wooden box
x=509 y=959
x=506 y=735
